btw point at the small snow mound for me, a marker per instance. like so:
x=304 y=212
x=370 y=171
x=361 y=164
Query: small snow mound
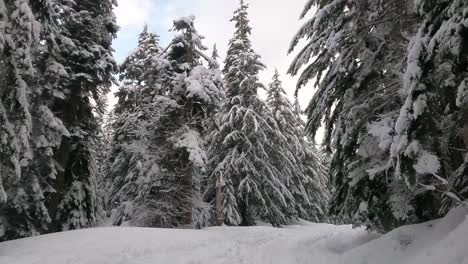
x=437 y=242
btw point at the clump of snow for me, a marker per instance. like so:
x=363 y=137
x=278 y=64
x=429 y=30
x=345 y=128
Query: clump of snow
x=193 y=143
x=186 y=19
x=462 y=94
x=427 y=163
x=400 y=204
x=419 y=106
x=383 y=130
x=198 y=86
x=437 y=242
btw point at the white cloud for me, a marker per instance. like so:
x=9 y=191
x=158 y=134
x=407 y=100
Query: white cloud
x=134 y=12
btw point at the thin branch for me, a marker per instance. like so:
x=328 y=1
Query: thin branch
x=398 y=18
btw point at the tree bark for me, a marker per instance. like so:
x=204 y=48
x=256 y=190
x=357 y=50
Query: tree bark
x=465 y=123
x=219 y=210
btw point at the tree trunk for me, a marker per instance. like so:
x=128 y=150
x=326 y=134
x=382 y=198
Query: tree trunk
x=219 y=211
x=465 y=124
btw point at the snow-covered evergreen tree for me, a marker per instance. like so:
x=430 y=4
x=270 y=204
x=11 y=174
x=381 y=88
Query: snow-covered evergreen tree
x=88 y=28
x=355 y=50
x=249 y=151
x=136 y=67
x=307 y=185
x=19 y=34
x=30 y=131
x=214 y=58
x=198 y=91
x=165 y=134
x=314 y=156
x=40 y=53
x=428 y=154
x=103 y=150
x=130 y=149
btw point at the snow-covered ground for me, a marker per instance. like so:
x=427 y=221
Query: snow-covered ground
x=439 y=242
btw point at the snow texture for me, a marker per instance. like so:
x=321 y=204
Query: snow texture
x=383 y=130
x=436 y=242
x=193 y=143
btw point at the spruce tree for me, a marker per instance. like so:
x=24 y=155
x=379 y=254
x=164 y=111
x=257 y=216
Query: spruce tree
x=355 y=50
x=428 y=153
x=136 y=67
x=103 y=149
x=41 y=83
x=88 y=28
x=171 y=105
x=18 y=36
x=201 y=96
x=313 y=156
x=30 y=79
x=307 y=185
x=132 y=152
x=249 y=151
x=212 y=126
x=214 y=58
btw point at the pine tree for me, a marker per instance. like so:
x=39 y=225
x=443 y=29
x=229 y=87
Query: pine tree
x=103 y=150
x=427 y=150
x=248 y=152
x=307 y=186
x=88 y=28
x=214 y=58
x=135 y=68
x=171 y=106
x=355 y=50
x=132 y=151
x=212 y=126
x=313 y=155
x=198 y=90
x=19 y=35
x=30 y=79
x=39 y=55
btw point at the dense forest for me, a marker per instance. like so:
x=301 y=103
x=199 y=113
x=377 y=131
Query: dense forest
x=190 y=142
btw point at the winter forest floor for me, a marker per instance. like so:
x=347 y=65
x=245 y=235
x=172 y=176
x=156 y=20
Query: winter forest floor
x=437 y=242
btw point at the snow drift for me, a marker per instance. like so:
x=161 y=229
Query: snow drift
x=437 y=242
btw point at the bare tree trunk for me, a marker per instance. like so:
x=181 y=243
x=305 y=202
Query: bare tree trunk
x=219 y=211
x=465 y=123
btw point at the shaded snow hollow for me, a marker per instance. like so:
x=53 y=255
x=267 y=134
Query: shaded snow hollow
x=438 y=242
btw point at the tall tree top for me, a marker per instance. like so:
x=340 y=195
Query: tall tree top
x=242 y=22
x=242 y=64
x=298 y=112
x=215 y=54
x=214 y=58
x=147 y=37
x=135 y=65
x=277 y=97
x=187 y=45
x=240 y=41
x=186 y=26
x=276 y=86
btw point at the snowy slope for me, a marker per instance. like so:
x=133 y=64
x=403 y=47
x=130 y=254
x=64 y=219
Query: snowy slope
x=438 y=242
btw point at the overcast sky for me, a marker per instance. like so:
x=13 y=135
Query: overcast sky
x=274 y=23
